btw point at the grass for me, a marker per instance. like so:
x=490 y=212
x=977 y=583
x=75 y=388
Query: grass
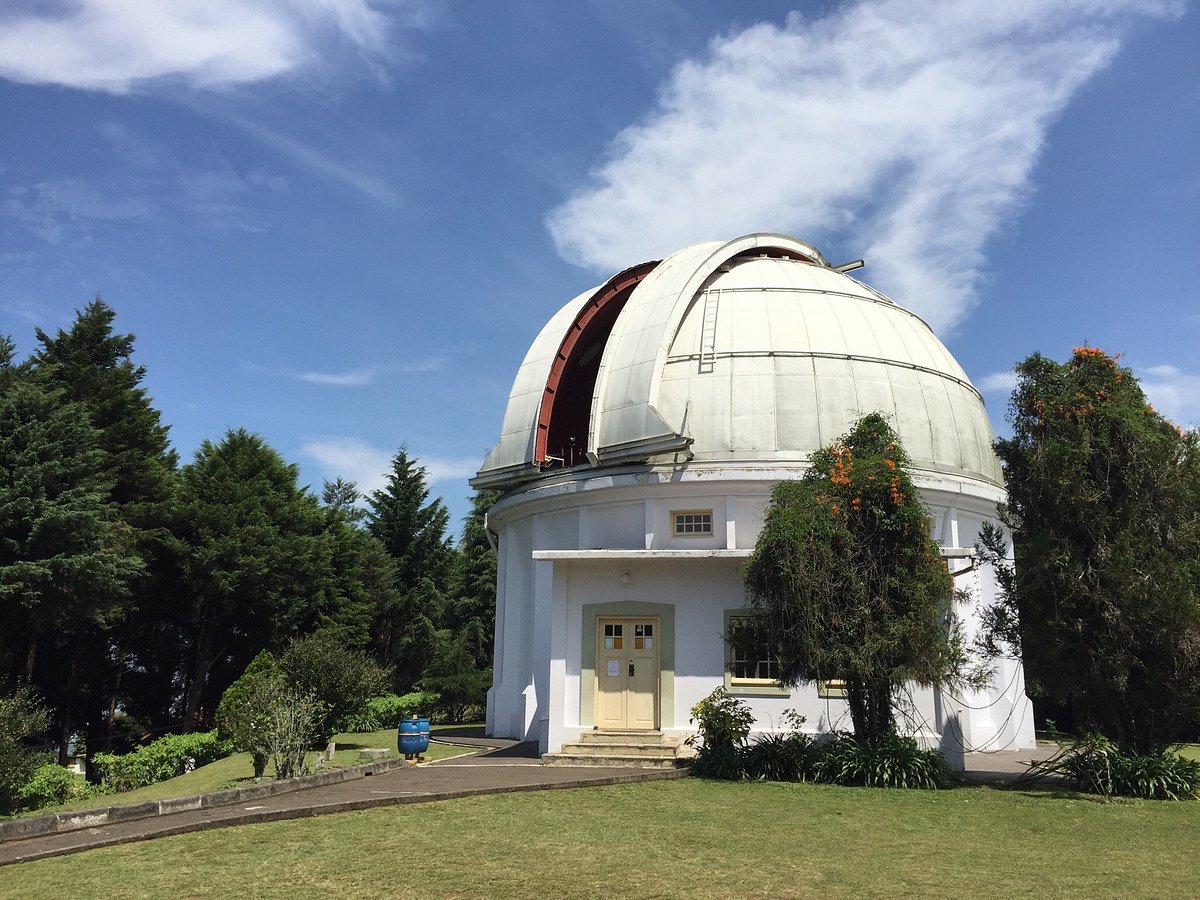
x=688 y=838
x=238 y=771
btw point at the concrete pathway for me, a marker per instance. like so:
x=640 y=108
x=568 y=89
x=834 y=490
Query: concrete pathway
x=498 y=767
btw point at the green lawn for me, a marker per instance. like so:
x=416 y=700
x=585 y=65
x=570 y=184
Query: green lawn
x=687 y=838
x=238 y=771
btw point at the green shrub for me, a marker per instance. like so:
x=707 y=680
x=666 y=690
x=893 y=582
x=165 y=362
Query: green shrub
x=53 y=785
x=723 y=720
x=1096 y=765
x=342 y=681
x=387 y=710
x=293 y=723
x=724 y=723
x=167 y=757
x=724 y=761
x=21 y=717
x=244 y=712
x=894 y=762
x=781 y=757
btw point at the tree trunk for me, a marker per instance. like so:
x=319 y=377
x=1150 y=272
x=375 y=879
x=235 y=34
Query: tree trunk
x=112 y=700
x=30 y=656
x=200 y=670
x=68 y=705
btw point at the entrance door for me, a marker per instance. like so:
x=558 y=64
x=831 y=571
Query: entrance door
x=627 y=674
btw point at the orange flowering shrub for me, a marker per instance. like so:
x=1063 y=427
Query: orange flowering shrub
x=849 y=580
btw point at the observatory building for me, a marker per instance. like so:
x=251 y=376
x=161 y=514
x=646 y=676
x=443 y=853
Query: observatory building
x=645 y=429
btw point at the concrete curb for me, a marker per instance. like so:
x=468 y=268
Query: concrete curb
x=75 y=820
x=279 y=815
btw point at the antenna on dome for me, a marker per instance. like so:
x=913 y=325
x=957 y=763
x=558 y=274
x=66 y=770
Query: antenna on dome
x=849 y=267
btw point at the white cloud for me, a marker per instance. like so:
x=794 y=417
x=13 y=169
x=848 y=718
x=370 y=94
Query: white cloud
x=118 y=45
x=58 y=207
x=433 y=364
x=1173 y=392
x=913 y=127
x=350 y=378
x=352 y=459
x=998 y=382
x=315 y=161
x=368 y=466
x=450 y=468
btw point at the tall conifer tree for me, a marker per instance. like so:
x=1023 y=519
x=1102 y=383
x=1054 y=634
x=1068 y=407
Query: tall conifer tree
x=412 y=529
x=92 y=366
x=257 y=562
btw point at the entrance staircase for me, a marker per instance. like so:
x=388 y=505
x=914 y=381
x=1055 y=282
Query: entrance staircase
x=624 y=749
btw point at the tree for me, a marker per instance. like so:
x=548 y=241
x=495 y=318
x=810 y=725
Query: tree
x=412 y=530
x=1104 y=507
x=362 y=577
x=66 y=558
x=473 y=580
x=92 y=366
x=849 y=583
x=454 y=673
x=257 y=564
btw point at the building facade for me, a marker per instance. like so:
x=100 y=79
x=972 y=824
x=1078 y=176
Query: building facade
x=645 y=429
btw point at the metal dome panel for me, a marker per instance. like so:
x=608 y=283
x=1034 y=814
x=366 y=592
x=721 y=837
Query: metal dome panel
x=756 y=349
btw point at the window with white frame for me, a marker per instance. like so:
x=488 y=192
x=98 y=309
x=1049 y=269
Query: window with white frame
x=692 y=523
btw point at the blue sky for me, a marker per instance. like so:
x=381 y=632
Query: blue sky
x=339 y=223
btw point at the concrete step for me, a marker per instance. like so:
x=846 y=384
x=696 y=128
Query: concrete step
x=585 y=748
x=613 y=760
x=623 y=737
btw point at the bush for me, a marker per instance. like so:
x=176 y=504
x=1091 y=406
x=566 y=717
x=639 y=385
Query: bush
x=723 y=720
x=725 y=761
x=781 y=757
x=21 y=717
x=1095 y=765
x=53 y=785
x=244 y=712
x=293 y=723
x=342 y=681
x=167 y=757
x=894 y=762
x=387 y=710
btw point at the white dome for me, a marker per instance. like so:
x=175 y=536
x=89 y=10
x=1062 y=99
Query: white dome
x=753 y=350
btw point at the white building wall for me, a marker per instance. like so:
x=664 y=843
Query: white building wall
x=539 y=694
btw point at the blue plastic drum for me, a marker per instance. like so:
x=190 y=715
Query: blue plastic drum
x=409 y=738
x=423 y=731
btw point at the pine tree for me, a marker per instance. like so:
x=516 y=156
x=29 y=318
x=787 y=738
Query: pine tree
x=66 y=558
x=362 y=576
x=257 y=562
x=412 y=530
x=93 y=366
x=473 y=580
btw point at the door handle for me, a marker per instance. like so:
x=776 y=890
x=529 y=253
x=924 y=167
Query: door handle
x=631 y=670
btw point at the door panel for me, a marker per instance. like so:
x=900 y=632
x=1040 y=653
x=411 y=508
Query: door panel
x=627 y=673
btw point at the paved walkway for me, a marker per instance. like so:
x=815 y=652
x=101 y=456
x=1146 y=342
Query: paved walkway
x=498 y=767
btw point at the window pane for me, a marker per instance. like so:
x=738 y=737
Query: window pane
x=751 y=656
